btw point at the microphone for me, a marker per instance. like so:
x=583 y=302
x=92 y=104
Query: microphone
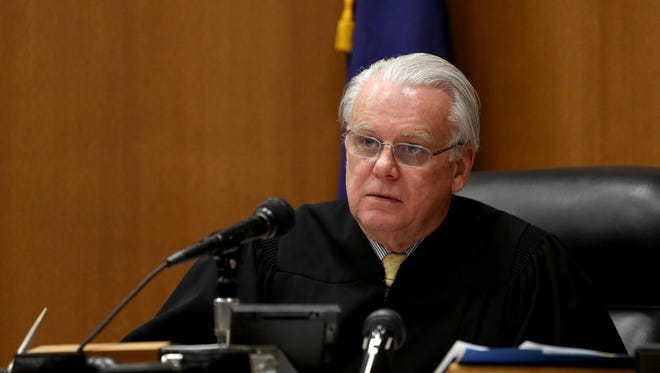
x=272 y=218
x=383 y=332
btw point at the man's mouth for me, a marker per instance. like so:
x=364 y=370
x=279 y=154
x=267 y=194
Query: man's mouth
x=384 y=197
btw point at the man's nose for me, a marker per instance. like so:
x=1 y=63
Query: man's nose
x=386 y=165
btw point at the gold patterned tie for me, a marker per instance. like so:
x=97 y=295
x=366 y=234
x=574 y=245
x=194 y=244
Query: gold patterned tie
x=391 y=263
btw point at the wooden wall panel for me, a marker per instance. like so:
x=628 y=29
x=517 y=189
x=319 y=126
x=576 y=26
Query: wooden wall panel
x=562 y=83
x=131 y=129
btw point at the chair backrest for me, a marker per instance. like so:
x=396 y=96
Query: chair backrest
x=609 y=217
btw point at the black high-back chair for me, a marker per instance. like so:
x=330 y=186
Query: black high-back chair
x=609 y=217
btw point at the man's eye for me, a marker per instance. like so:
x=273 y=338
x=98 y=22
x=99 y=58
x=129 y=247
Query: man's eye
x=411 y=149
x=369 y=142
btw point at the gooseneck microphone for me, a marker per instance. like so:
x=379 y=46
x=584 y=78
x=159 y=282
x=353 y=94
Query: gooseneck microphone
x=272 y=218
x=383 y=332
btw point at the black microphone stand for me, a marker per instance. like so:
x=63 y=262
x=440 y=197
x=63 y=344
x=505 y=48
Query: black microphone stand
x=226 y=261
x=223 y=356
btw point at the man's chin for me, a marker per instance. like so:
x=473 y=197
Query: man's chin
x=380 y=222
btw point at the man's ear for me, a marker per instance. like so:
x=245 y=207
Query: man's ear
x=462 y=168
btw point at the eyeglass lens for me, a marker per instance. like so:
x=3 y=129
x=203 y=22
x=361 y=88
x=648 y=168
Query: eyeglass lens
x=367 y=147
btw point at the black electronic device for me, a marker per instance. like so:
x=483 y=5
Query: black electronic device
x=305 y=333
x=647 y=358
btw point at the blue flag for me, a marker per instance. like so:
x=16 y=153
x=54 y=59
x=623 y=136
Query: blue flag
x=388 y=28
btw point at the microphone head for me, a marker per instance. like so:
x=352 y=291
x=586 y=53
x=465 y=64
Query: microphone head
x=279 y=215
x=388 y=319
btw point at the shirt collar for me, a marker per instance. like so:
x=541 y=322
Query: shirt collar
x=381 y=251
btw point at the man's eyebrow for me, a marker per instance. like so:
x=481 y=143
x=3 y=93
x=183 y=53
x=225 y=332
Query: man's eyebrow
x=420 y=136
x=411 y=136
x=363 y=127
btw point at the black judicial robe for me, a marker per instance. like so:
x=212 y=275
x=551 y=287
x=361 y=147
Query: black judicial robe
x=484 y=276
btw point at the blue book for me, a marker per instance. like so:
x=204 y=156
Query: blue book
x=533 y=354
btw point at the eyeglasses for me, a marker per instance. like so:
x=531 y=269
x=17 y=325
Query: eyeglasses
x=408 y=154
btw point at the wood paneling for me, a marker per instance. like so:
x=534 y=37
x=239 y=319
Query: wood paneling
x=562 y=83
x=131 y=129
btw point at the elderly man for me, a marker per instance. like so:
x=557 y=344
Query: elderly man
x=410 y=126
